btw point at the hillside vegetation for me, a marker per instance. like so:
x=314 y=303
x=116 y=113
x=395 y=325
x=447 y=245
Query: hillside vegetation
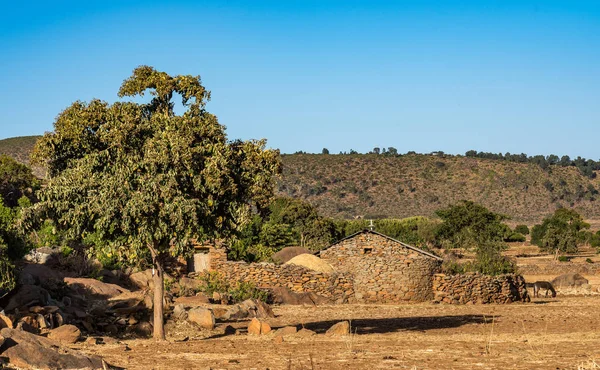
x=370 y=185
x=19 y=148
x=374 y=186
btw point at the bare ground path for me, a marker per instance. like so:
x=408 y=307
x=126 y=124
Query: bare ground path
x=561 y=333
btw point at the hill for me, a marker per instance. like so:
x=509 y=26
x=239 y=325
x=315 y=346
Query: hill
x=371 y=185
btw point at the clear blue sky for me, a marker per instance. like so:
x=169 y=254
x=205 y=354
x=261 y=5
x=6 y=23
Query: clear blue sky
x=517 y=76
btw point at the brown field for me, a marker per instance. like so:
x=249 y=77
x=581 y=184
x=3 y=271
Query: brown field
x=560 y=333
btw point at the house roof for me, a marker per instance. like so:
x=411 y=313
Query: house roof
x=387 y=237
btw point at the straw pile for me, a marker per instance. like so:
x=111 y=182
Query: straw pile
x=311 y=262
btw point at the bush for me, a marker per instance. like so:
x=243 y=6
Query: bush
x=213 y=281
x=454 y=268
x=522 y=229
x=563 y=259
x=515 y=237
x=589 y=260
x=243 y=291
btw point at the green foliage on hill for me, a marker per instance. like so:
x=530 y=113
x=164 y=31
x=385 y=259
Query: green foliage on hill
x=561 y=233
x=378 y=186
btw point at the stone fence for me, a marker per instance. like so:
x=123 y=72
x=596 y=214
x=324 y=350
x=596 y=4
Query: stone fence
x=475 y=288
x=338 y=287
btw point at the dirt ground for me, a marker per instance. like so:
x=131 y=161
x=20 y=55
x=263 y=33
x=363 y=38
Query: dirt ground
x=559 y=333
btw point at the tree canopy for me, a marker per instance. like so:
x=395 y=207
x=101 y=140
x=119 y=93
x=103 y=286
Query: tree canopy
x=560 y=232
x=147 y=181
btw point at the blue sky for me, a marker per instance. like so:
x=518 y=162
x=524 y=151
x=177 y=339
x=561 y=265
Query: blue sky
x=512 y=76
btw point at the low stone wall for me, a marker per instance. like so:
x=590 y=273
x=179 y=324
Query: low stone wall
x=479 y=289
x=337 y=287
x=559 y=268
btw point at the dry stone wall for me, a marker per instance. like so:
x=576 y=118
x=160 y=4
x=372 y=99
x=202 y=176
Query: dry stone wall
x=475 y=288
x=384 y=270
x=337 y=287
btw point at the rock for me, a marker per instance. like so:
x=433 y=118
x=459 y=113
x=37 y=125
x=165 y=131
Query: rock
x=42 y=256
x=288 y=253
x=66 y=334
x=341 y=328
x=286 y=330
x=33 y=274
x=142 y=280
x=129 y=302
x=282 y=295
x=256 y=308
x=143 y=329
x=257 y=327
x=278 y=339
x=111 y=329
x=193 y=301
x=27 y=296
x=92 y=341
x=179 y=312
x=29 y=324
x=265 y=328
x=30 y=351
x=92 y=288
x=5 y=322
x=229 y=330
x=220 y=312
x=189 y=287
x=254 y=327
x=216 y=297
x=202 y=317
x=569 y=281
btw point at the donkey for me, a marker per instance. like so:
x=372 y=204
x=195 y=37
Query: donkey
x=539 y=285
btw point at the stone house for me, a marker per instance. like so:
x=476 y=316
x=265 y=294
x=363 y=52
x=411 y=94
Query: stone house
x=384 y=270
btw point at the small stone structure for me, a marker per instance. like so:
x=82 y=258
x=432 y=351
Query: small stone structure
x=475 y=288
x=384 y=269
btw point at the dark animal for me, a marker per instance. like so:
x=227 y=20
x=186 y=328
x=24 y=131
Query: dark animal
x=539 y=285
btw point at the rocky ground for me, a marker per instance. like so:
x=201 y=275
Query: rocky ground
x=560 y=333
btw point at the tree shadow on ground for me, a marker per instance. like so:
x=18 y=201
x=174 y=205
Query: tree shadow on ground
x=390 y=325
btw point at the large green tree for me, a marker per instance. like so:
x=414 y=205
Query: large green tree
x=147 y=180
x=16 y=181
x=560 y=233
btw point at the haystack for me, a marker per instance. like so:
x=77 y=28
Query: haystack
x=311 y=262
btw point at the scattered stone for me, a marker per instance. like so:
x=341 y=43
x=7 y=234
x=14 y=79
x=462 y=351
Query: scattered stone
x=282 y=295
x=92 y=341
x=5 y=322
x=142 y=279
x=287 y=330
x=31 y=351
x=143 y=329
x=92 y=288
x=341 y=328
x=278 y=339
x=66 y=334
x=202 y=317
x=265 y=328
x=220 y=312
x=132 y=320
x=179 y=312
x=254 y=327
x=216 y=297
x=27 y=296
x=188 y=287
x=111 y=329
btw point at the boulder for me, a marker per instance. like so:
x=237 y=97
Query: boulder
x=92 y=288
x=32 y=274
x=569 y=281
x=254 y=327
x=341 y=328
x=27 y=296
x=305 y=333
x=286 y=330
x=188 y=287
x=202 y=317
x=43 y=255
x=256 y=308
x=142 y=280
x=179 y=313
x=66 y=334
x=143 y=329
x=30 y=351
x=265 y=328
x=288 y=253
x=282 y=295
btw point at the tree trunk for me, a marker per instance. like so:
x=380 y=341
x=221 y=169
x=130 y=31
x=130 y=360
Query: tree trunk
x=159 y=292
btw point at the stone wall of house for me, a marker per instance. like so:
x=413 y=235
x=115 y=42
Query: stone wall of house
x=475 y=288
x=337 y=287
x=384 y=271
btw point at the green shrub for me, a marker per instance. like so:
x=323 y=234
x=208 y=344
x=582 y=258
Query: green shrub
x=213 y=281
x=515 y=237
x=454 y=268
x=563 y=259
x=243 y=291
x=522 y=229
x=589 y=260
